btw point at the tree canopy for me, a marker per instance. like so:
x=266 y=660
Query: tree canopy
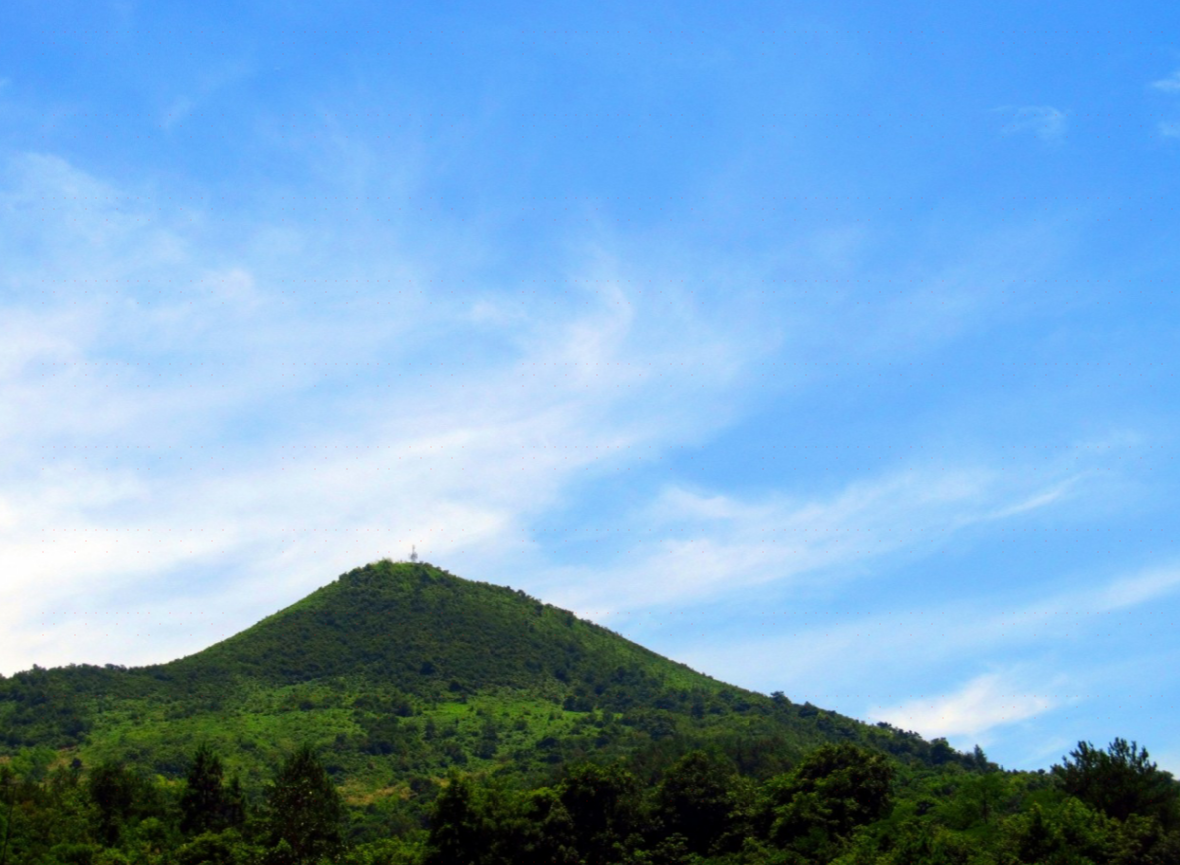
x=1120 y=781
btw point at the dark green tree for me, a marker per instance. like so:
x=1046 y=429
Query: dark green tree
x=941 y=752
x=694 y=800
x=492 y=824
x=979 y=761
x=203 y=803
x=304 y=810
x=113 y=790
x=979 y=799
x=1066 y=834
x=8 y=785
x=1120 y=781
x=834 y=790
x=603 y=804
x=234 y=803
x=458 y=834
x=553 y=836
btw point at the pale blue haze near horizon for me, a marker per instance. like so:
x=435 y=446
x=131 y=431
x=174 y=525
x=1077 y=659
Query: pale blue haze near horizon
x=827 y=348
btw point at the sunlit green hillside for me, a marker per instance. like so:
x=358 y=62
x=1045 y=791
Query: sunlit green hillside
x=401 y=671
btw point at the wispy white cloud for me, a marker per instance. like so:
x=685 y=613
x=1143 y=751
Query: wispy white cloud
x=205 y=87
x=1044 y=121
x=915 y=644
x=691 y=545
x=141 y=366
x=1129 y=591
x=980 y=705
x=145 y=359
x=1171 y=84
x=1035 y=501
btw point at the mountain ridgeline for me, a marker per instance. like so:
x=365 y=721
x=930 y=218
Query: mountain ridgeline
x=402 y=671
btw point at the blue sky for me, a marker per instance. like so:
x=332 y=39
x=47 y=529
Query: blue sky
x=828 y=350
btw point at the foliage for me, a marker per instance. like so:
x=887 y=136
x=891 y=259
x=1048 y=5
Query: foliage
x=206 y=805
x=836 y=789
x=603 y=807
x=1120 y=781
x=402 y=716
x=119 y=794
x=397 y=672
x=840 y=804
x=304 y=810
x=695 y=800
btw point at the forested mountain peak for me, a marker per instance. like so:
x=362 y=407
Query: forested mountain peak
x=404 y=671
x=429 y=632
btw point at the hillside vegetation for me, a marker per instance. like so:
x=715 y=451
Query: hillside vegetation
x=402 y=671
x=404 y=715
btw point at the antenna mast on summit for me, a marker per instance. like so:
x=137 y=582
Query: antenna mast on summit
x=413 y=553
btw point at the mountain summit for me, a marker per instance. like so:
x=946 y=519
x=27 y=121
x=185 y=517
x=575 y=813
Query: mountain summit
x=429 y=633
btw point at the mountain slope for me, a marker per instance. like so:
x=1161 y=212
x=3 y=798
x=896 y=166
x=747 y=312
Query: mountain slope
x=426 y=631
x=398 y=672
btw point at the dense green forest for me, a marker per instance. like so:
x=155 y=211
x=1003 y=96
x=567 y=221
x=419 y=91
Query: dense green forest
x=404 y=715
x=842 y=803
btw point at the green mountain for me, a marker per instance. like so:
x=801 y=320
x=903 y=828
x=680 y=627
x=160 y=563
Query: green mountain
x=398 y=672
x=405 y=716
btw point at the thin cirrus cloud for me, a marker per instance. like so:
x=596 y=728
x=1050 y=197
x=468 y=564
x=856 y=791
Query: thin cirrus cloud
x=980 y=625
x=138 y=357
x=849 y=661
x=690 y=545
x=144 y=414
x=1171 y=84
x=979 y=706
x=1044 y=121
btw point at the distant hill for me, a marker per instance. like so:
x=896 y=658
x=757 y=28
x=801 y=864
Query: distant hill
x=399 y=671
